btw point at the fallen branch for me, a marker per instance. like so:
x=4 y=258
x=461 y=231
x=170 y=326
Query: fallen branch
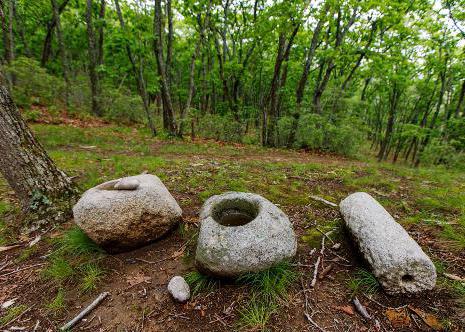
x=315 y=272
x=361 y=309
x=2 y=249
x=319 y=199
x=84 y=312
x=454 y=277
x=306 y=314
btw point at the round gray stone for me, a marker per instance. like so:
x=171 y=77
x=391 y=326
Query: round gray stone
x=179 y=289
x=396 y=259
x=119 y=220
x=242 y=232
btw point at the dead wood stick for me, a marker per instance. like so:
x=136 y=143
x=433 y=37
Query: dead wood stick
x=84 y=312
x=361 y=309
x=319 y=199
x=326 y=271
x=315 y=272
x=24 y=268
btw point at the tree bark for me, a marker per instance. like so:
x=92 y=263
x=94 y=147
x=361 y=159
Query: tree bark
x=39 y=185
x=460 y=101
x=5 y=34
x=93 y=58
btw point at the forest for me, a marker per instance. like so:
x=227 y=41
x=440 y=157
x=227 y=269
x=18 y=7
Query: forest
x=323 y=75
x=232 y=165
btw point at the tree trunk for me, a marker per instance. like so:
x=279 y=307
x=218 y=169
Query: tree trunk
x=168 y=112
x=39 y=185
x=93 y=58
x=101 y=16
x=138 y=74
x=61 y=46
x=460 y=101
x=47 y=48
x=11 y=35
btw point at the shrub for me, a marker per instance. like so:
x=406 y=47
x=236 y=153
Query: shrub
x=33 y=85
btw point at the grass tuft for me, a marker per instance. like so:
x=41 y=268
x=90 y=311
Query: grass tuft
x=75 y=242
x=273 y=282
x=57 y=305
x=255 y=314
x=59 y=270
x=199 y=282
x=92 y=273
x=364 y=281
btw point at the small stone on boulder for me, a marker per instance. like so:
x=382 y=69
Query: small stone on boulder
x=119 y=220
x=127 y=184
x=240 y=233
x=179 y=289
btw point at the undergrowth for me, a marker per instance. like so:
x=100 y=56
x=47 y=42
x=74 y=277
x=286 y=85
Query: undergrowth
x=199 y=282
x=363 y=281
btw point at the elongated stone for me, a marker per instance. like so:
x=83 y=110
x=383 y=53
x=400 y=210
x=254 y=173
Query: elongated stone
x=395 y=258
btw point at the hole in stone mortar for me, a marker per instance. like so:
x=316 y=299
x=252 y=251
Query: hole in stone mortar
x=407 y=278
x=235 y=212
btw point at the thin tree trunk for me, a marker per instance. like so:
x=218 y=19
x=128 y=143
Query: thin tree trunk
x=47 y=47
x=460 y=101
x=93 y=57
x=11 y=35
x=100 y=30
x=61 y=46
x=6 y=37
x=168 y=111
x=39 y=185
x=138 y=74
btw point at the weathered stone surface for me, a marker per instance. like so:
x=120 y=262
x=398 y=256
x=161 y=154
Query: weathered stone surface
x=179 y=289
x=242 y=232
x=127 y=184
x=396 y=259
x=124 y=219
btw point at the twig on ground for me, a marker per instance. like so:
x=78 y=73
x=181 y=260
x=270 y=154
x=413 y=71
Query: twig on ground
x=84 y=312
x=326 y=271
x=361 y=309
x=24 y=268
x=2 y=249
x=326 y=235
x=315 y=272
x=320 y=199
x=306 y=314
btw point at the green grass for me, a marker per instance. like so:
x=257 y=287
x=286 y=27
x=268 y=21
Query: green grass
x=91 y=275
x=12 y=313
x=59 y=270
x=76 y=243
x=58 y=304
x=363 y=281
x=255 y=314
x=199 y=282
x=273 y=282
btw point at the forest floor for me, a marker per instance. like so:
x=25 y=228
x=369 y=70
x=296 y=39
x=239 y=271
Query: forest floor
x=51 y=275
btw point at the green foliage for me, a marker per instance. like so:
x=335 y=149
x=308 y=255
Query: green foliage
x=33 y=85
x=317 y=132
x=221 y=127
x=199 y=282
x=364 y=281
